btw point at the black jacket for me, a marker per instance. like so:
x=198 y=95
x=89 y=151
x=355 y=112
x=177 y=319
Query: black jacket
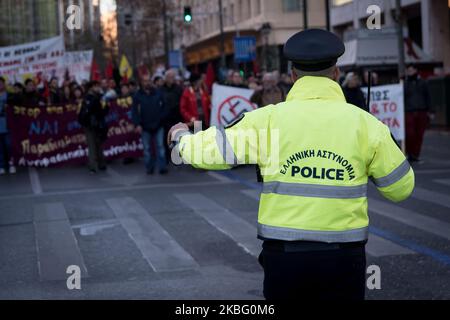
x=417 y=97
x=92 y=114
x=148 y=110
x=356 y=97
x=172 y=96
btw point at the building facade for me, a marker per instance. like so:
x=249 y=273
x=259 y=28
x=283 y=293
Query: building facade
x=425 y=22
x=270 y=22
x=24 y=21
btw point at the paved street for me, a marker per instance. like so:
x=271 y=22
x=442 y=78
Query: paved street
x=192 y=234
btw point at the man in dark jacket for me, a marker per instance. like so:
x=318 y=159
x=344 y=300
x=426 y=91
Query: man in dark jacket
x=172 y=95
x=149 y=113
x=92 y=117
x=417 y=108
x=352 y=91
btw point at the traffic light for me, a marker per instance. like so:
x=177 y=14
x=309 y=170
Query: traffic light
x=187 y=14
x=128 y=19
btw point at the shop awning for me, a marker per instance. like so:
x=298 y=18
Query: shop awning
x=380 y=51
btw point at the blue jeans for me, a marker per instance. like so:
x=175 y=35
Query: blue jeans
x=149 y=158
x=5 y=150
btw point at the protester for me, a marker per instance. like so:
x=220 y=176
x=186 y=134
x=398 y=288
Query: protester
x=133 y=87
x=78 y=94
x=172 y=95
x=67 y=96
x=195 y=103
x=125 y=96
x=5 y=143
x=104 y=85
x=15 y=97
x=158 y=81
x=54 y=92
x=237 y=80
x=269 y=94
x=31 y=98
x=352 y=91
x=417 y=112
x=148 y=113
x=253 y=83
x=285 y=84
x=92 y=117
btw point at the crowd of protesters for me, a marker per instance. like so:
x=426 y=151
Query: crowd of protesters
x=167 y=98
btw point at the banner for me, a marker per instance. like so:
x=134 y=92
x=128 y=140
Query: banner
x=228 y=103
x=49 y=136
x=21 y=61
x=387 y=104
x=78 y=64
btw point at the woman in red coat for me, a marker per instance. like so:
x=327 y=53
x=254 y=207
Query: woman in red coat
x=195 y=104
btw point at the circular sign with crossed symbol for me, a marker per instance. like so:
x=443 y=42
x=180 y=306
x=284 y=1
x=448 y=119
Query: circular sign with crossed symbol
x=232 y=108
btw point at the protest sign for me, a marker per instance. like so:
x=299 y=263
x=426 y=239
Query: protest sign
x=49 y=136
x=20 y=61
x=386 y=103
x=77 y=64
x=228 y=103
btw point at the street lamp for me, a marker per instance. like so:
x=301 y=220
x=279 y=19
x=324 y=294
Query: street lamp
x=265 y=30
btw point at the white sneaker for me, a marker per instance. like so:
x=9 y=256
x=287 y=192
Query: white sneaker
x=2 y=171
x=12 y=169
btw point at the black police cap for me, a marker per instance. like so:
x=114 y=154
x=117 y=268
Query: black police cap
x=313 y=49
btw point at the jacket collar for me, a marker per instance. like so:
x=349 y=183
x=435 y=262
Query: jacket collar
x=308 y=87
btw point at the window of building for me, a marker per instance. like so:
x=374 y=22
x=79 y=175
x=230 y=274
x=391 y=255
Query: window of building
x=257 y=7
x=238 y=14
x=292 y=5
x=338 y=3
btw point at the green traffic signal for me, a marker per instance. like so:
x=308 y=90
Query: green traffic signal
x=187 y=14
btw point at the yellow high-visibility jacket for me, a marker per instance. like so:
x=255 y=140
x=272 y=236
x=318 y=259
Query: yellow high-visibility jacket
x=316 y=153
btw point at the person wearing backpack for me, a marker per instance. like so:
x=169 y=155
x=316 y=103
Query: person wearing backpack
x=92 y=118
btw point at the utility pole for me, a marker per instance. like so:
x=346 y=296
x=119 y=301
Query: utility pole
x=222 y=37
x=327 y=14
x=305 y=14
x=401 y=50
x=166 y=39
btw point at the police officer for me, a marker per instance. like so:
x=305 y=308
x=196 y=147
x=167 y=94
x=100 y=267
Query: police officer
x=316 y=154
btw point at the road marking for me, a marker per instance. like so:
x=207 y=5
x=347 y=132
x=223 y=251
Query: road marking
x=252 y=193
x=239 y=230
x=431 y=171
x=56 y=244
x=219 y=177
x=117 y=178
x=160 y=250
x=431 y=196
x=34 y=180
x=411 y=218
x=379 y=247
x=443 y=181
x=112 y=189
x=90 y=229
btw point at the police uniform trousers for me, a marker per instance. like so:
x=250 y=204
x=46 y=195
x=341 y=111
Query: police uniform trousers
x=313 y=270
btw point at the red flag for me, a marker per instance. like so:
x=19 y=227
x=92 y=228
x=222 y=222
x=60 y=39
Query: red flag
x=210 y=76
x=109 y=70
x=95 y=71
x=143 y=71
x=46 y=92
x=255 y=68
